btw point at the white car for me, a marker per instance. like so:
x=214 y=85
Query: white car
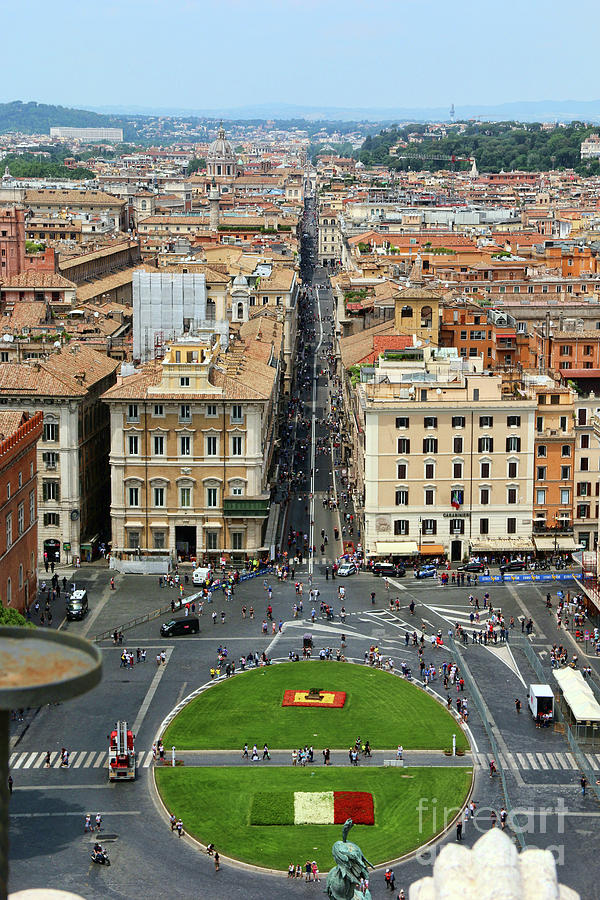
x=347 y=569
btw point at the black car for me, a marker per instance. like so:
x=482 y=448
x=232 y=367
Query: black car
x=514 y=565
x=388 y=570
x=472 y=567
x=176 y=627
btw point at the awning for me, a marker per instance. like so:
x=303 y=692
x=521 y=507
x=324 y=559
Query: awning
x=397 y=548
x=432 y=549
x=498 y=545
x=578 y=695
x=506 y=334
x=563 y=542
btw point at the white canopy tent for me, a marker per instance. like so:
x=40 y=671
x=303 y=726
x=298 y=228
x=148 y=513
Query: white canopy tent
x=578 y=695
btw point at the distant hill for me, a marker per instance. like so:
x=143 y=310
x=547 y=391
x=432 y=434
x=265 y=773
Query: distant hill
x=37 y=118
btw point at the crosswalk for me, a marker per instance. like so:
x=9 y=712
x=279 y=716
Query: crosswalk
x=545 y=761
x=78 y=759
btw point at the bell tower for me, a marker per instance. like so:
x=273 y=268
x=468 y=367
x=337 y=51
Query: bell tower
x=418 y=312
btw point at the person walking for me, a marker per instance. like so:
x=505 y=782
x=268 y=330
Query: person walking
x=179 y=827
x=459 y=829
x=217 y=861
x=10 y=784
x=583 y=783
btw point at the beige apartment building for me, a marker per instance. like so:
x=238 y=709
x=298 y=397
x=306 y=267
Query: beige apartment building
x=447 y=458
x=191 y=443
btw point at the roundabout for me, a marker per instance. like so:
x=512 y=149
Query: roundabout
x=270 y=813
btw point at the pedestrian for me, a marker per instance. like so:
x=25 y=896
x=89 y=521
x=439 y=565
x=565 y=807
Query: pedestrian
x=173 y=822
x=98 y=821
x=583 y=783
x=47 y=760
x=459 y=828
x=503 y=816
x=179 y=827
x=392 y=880
x=87 y=825
x=217 y=861
x=10 y=784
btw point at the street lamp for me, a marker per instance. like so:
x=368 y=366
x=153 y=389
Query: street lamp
x=420 y=533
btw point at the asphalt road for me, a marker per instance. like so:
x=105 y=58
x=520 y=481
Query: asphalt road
x=48 y=845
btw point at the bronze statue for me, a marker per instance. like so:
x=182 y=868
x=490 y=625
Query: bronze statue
x=345 y=877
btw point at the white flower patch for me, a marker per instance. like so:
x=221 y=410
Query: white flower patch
x=313 y=807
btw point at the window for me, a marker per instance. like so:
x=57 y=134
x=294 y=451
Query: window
x=542 y=451
x=185 y=497
x=237 y=413
x=429 y=526
x=401 y=422
x=429 y=471
x=158 y=496
x=401 y=497
x=185 y=412
x=484 y=496
x=565 y=450
x=484 y=526
x=51 y=519
x=563 y=423
x=236 y=445
x=430 y=445
x=9 y=531
x=133 y=444
x=513 y=421
x=158 y=540
x=133 y=414
x=159 y=410
x=486 y=421
x=133 y=495
x=457 y=445
x=20 y=479
x=211 y=445
x=21 y=577
x=237 y=540
x=511 y=495
x=542 y=400
x=457 y=526
x=21 y=518
x=584 y=464
x=429 y=497
x=513 y=444
x=430 y=422
x=582 y=416
x=565 y=497
x=211 y=411
x=585 y=441
x=584 y=489
x=541 y=473
x=237 y=491
x=485 y=469
x=50 y=490
x=539 y=424
x=485 y=445
x=403 y=445
x=565 y=350
x=184 y=381
x=540 y=496
x=31 y=507
x=565 y=472
x=583 y=511
x=50 y=459
x=133 y=539
x=458 y=421
x=50 y=432
x=457 y=470
x=511 y=526
x=400 y=526
x=513 y=468
x=463 y=335
x=8 y=591
x=212 y=540
x=211 y=497
x=159 y=444
x=185 y=445
x=402 y=470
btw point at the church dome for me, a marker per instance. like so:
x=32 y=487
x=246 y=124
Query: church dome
x=240 y=281
x=221 y=149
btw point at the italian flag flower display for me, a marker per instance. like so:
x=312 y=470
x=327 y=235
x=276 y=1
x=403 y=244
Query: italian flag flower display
x=327 y=700
x=312 y=808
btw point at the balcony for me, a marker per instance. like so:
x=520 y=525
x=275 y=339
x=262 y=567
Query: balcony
x=565 y=527
x=246 y=507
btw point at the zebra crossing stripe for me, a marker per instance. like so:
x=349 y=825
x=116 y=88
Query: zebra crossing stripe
x=591 y=760
x=511 y=761
x=33 y=756
x=522 y=761
x=18 y=762
x=542 y=760
x=532 y=761
x=148 y=760
x=53 y=757
x=80 y=758
x=561 y=758
x=571 y=761
x=101 y=759
x=552 y=761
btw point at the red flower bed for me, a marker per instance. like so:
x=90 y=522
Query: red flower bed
x=331 y=699
x=355 y=805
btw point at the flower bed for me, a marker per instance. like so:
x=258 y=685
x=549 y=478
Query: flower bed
x=355 y=805
x=330 y=699
x=272 y=808
x=312 y=808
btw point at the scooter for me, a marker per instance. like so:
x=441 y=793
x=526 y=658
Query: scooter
x=100 y=857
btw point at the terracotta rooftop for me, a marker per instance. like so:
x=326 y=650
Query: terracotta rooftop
x=33 y=279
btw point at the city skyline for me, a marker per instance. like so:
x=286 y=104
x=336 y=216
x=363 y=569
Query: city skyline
x=384 y=56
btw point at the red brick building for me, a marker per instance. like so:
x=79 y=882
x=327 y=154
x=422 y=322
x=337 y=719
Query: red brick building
x=19 y=434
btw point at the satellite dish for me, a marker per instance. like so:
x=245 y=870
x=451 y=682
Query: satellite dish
x=438 y=391
x=57 y=344
x=96 y=314
x=8 y=338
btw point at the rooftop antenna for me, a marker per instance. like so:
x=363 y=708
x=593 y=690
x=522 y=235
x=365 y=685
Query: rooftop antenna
x=452 y=113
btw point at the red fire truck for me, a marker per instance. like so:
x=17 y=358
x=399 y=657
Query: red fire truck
x=121 y=754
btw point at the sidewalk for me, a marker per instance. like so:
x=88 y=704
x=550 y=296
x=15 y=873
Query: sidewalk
x=429 y=758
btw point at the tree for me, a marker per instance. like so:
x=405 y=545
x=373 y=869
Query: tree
x=12 y=618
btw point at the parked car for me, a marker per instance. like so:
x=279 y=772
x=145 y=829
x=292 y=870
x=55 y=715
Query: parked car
x=472 y=566
x=347 y=568
x=177 y=627
x=388 y=569
x=426 y=571
x=77 y=605
x=514 y=565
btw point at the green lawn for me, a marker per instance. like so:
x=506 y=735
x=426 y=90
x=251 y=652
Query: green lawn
x=215 y=805
x=381 y=708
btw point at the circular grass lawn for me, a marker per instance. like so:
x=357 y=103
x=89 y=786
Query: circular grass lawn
x=382 y=708
x=219 y=804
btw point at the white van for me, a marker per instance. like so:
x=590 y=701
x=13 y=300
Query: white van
x=200 y=575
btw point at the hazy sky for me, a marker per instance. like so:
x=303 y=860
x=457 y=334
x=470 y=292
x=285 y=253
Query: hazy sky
x=377 y=53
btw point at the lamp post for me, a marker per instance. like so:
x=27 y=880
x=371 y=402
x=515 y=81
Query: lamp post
x=38 y=667
x=420 y=533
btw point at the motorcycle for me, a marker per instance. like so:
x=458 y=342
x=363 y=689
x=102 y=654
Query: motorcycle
x=100 y=857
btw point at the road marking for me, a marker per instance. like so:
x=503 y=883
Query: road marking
x=150 y=693
x=571 y=761
x=522 y=760
x=30 y=760
x=100 y=759
x=149 y=759
x=80 y=758
x=542 y=760
x=562 y=760
x=591 y=760
x=18 y=762
x=511 y=761
x=532 y=761
x=553 y=762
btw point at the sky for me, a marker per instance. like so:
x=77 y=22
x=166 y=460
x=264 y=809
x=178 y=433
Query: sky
x=194 y=54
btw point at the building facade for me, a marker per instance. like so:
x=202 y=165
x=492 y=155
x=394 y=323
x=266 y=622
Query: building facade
x=19 y=434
